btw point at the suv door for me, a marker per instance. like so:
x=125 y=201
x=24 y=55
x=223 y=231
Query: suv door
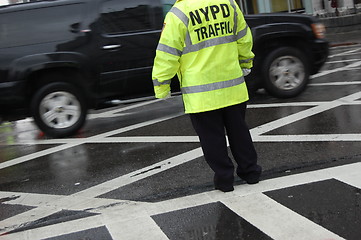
x=129 y=34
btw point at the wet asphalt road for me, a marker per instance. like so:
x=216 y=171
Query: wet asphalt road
x=148 y=151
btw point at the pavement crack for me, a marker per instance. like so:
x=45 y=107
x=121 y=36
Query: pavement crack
x=106 y=206
x=7 y=199
x=148 y=170
x=53 y=219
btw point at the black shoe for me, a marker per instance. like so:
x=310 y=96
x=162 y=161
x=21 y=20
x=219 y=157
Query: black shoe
x=252 y=181
x=251 y=178
x=224 y=188
x=223 y=184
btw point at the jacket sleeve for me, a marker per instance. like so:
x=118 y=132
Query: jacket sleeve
x=169 y=50
x=244 y=42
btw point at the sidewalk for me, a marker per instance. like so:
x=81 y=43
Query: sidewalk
x=344 y=38
x=343 y=30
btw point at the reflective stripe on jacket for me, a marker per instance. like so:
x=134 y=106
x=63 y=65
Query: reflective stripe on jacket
x=206 y=43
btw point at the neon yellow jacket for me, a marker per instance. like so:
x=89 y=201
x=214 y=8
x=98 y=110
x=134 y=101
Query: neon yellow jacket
x=206 y=43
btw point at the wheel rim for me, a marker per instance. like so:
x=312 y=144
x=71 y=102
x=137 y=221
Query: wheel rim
x=60 y=110
x=287 y=72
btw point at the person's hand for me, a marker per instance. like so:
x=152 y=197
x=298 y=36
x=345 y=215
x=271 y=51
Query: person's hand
x=246 y=71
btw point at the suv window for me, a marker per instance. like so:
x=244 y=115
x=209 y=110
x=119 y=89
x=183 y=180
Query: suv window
x=47 y=25
x=125 y=16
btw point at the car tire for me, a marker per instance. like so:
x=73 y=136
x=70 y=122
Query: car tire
x=59 y=109
x=285 y=72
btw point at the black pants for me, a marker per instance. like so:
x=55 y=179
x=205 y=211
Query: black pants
x=211 y=126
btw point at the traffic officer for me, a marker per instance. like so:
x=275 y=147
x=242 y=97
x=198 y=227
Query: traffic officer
x=207 y=43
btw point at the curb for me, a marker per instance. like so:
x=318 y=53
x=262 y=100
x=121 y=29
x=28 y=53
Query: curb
x=343 y=44
x=342 y=23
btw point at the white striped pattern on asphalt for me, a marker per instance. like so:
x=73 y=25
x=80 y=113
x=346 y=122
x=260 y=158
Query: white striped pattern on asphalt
x=130 y=214
x=248 y=201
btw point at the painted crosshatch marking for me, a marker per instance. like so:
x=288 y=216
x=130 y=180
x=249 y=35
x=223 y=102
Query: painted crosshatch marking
x=108 y=213
x=330 y=203
x=210 y=221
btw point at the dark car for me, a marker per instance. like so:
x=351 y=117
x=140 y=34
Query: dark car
x=60 y=58
x=288 y=48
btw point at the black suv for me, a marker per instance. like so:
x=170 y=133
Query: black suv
x=60 y=58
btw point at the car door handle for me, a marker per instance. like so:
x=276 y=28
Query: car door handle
x=111 y=47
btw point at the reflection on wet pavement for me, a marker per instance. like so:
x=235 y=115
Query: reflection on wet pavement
x=211 y=221
x=331 y=204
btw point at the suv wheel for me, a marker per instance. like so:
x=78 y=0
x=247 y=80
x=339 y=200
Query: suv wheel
x=285 y=72
x=58 y=109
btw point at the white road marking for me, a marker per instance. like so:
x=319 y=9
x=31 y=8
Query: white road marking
x=345 y=53
x=335 y=84
x=56 y=230
x=194 y=139
x=49 y=204
x=127 y=218
x=174 y=139
x=118 y=111
x=135 y=229
x=155 y=139
x=37 y=155
x=29 y=199
x=327 y=72
x=140 y=174
x=276 y=220
x=188 y=156
x=303 y=114
x=309 y=138
x=126 y=211
x=81 y=141
x=169 y=163
x=343 y=61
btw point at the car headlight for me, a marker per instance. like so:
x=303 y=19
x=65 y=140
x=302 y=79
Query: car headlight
x=319 y=30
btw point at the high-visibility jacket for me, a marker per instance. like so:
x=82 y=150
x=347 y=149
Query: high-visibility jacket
x=206 y=43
